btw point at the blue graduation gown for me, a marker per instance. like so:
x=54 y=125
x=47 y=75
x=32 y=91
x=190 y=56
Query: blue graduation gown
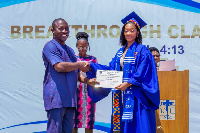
x=145 y=89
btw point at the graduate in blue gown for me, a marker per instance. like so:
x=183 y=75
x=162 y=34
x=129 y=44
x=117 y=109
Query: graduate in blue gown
x=137 y=98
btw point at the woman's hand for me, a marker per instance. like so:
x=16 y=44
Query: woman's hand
x=123 y=86
x=92 y=82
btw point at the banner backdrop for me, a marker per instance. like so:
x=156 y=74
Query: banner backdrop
x=173 y=27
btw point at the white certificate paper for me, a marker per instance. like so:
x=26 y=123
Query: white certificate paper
x=109 y=78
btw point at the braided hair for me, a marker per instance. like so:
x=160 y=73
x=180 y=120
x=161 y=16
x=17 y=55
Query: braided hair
x=82 y=36
x=123 y=40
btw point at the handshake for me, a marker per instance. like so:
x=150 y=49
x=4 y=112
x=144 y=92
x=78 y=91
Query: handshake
x=84 y=67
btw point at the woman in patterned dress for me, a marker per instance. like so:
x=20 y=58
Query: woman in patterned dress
x=85 y=113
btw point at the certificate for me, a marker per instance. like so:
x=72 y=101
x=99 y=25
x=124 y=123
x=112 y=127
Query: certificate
x=109 y=78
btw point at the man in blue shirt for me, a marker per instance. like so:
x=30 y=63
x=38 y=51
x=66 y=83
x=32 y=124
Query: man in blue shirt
x=60 y=80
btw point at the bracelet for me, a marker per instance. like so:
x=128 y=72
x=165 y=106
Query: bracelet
x=86 y=80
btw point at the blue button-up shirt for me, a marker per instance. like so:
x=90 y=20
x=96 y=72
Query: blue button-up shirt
x=59 y=88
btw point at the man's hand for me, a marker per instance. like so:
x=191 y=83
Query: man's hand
x=83 y=67
x=123 y=86
x=88 y=65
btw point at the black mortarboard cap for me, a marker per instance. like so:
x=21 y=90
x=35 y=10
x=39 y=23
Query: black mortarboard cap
x=133 y=16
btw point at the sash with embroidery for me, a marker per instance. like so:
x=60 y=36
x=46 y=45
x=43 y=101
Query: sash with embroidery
x=125 y=113
x=128 y=69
